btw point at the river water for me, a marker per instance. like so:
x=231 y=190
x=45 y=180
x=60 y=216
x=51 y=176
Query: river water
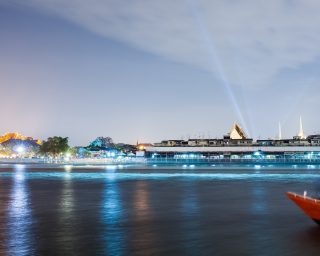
x=155 y=210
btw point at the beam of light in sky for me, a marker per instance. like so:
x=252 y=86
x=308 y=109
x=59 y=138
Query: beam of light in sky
x=297 y=104
x=213 y=57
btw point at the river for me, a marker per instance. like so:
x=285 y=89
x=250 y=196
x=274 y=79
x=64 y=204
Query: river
x=155 y=210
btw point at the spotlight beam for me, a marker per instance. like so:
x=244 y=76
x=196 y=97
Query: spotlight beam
x=214 y=59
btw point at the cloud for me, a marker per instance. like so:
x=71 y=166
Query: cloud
x=244 y=42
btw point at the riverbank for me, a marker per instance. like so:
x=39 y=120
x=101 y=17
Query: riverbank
x=91 y=161
x=162 y=162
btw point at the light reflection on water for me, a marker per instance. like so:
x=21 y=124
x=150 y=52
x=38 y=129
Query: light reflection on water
x=112 y=214
x=116 y=211
x=141 y=200
x=190 y=204
x=190 y=211
x=144 y=238
x=4 y=202
x=20 y=216
x=259 y=196
x=67 y=216
x=258 y=207
x=151 y=176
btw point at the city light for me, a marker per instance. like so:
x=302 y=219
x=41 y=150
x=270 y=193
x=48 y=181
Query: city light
x=257 y=153
x=20 y=149
x=111 y=154
x=68 y=168
x=141 y=147
x=67 y=156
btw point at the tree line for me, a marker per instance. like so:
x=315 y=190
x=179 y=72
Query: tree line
x=54 y=146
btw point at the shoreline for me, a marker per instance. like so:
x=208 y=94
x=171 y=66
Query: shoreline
x=148 y=163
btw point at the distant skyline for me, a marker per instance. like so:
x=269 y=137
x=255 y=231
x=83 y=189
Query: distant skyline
x=150 y=70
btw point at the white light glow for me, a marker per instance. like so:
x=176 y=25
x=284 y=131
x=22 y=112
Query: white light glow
x=20 y=149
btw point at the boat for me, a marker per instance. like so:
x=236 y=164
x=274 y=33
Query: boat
x=309 y=205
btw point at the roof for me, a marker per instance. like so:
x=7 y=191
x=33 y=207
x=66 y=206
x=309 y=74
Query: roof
x=236 y=132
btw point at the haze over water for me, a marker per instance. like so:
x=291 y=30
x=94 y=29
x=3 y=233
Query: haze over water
x=121 y=210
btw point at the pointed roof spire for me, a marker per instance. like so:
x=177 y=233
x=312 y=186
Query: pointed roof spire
x=280 y=131
x=301 y=134
x=236 y=132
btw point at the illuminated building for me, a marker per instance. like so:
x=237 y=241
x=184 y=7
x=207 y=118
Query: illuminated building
x=237 y=146
x=16 y=145
x=16 y=136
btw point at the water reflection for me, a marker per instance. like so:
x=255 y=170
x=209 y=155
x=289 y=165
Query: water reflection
x=66 y=236
x=144 y=237
x=190 y=224
x=68 y=168
x=190 y=204
x=259 y=196
x=67 y=199
x=261 y=231
x=20 y=216
x=141 y=201
x=94 y=213
x=4 y=201
x=112 y=214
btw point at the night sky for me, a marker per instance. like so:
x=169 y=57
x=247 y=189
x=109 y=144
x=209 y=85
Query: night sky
x=149 y=70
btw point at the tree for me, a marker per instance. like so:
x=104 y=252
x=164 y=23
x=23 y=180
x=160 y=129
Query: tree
x=73 y=151
x=102 y=142
x=54 y=146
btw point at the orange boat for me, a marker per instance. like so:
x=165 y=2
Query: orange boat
x=310 y=206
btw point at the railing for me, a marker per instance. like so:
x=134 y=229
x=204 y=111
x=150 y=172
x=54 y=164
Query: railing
x=230 y=160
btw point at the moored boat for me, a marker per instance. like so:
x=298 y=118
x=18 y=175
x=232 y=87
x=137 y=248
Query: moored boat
x=309 y=205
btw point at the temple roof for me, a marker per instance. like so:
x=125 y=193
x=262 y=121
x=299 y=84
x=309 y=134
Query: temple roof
x=237 y=133
x=16 y=136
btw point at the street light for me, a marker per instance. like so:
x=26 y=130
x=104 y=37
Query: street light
x=20 y=149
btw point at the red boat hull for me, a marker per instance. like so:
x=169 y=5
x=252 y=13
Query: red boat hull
x=310 y=206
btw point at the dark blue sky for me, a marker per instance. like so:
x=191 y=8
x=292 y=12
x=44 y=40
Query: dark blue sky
x=123 y=78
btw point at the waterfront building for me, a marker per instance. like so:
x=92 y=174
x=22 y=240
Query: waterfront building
x=17 y=136
x=236 y=145
x=104 y=147
x=17 y=145
x=142 y=146
x=314 y=140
